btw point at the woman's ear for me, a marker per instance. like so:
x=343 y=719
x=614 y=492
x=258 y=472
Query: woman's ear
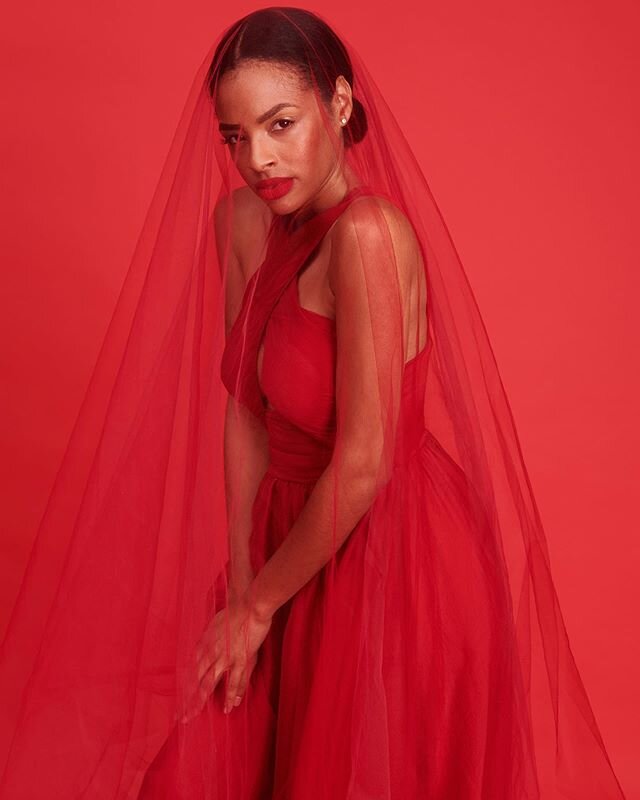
x=342 y=102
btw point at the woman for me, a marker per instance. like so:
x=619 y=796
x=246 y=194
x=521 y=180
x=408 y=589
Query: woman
x=297 y=484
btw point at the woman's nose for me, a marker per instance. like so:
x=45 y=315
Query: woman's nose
x=260 y=155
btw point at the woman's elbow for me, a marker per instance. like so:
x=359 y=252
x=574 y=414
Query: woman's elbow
x=362 y=463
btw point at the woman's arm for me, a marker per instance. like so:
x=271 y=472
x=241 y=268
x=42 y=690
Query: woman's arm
x=245 y=462
x=370 y=260
x=245 y=438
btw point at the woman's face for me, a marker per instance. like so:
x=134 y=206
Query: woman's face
x=275 y=127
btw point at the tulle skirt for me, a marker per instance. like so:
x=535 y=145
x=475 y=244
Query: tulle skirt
x=392 y=674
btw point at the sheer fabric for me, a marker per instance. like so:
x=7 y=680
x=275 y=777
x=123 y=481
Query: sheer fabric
x=427 y=656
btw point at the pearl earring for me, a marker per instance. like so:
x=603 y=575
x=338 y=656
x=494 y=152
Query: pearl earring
x=343 y=121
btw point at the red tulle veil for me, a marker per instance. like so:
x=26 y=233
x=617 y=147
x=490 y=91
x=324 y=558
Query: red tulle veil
x=132 y=555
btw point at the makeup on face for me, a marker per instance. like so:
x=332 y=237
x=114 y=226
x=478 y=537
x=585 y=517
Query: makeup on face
x=273 y=188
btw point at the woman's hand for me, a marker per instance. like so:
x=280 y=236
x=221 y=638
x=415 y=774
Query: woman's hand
x=230 y=643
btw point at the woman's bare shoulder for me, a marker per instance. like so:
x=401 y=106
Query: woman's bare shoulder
x=374 y=220
x=249 y=219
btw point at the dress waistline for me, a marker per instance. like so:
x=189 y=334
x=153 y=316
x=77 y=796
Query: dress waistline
x=300 y=456
x=295 y=454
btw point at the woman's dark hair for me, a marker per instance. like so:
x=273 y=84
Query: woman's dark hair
x=299 y=39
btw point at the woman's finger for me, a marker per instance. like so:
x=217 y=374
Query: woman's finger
x=212 y=676
x=234 y=698
x=205 y=662
x=211 y=652
x=233 y=687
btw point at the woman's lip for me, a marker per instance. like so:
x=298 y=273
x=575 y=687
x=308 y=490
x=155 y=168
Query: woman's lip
x=273 y=188
x=268 y=183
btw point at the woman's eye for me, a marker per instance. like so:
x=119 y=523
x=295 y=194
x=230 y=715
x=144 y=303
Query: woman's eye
x=232 y=138
x=288 y=125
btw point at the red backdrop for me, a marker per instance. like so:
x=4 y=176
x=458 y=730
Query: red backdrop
x=525 y=119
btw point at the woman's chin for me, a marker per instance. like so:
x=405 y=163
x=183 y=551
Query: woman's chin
x=282 y=206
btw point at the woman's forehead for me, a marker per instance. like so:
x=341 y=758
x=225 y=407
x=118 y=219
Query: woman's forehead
x=254 y=90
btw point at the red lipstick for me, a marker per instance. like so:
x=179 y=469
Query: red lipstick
x=273 y=188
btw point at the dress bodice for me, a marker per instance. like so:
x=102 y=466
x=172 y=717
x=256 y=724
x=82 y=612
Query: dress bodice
x=296 y=376
x=280 y=358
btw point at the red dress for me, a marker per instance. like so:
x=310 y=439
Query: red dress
x=433 y=710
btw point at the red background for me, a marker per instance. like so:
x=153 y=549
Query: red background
x=525 y=119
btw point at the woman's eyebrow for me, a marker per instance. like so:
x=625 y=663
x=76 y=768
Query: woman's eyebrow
x=226 y=126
